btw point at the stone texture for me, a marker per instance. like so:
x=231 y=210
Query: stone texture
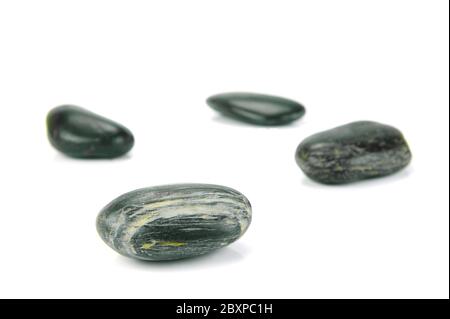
x=353 y=152
x=174 y=221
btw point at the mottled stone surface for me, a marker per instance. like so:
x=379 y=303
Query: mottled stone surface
x=174 y=221
x=79 y=133
x=257 y=109
x=352 y=152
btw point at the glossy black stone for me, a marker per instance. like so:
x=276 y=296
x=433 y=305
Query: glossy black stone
x=257 y=109
x=353 y=152
x=80 y=133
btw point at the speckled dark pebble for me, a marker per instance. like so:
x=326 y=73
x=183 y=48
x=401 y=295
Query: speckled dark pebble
x=353 y=152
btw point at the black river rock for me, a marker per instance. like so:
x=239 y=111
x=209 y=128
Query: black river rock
x=259 y=109
x=353 y=152
x=80 y=133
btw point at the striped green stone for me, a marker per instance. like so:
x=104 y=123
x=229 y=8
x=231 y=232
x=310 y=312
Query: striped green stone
x=174 y=221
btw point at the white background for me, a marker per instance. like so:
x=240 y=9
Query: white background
x=150 y=65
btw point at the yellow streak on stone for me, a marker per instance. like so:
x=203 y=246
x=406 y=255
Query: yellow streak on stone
x=172 y=243
x=148 y=245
